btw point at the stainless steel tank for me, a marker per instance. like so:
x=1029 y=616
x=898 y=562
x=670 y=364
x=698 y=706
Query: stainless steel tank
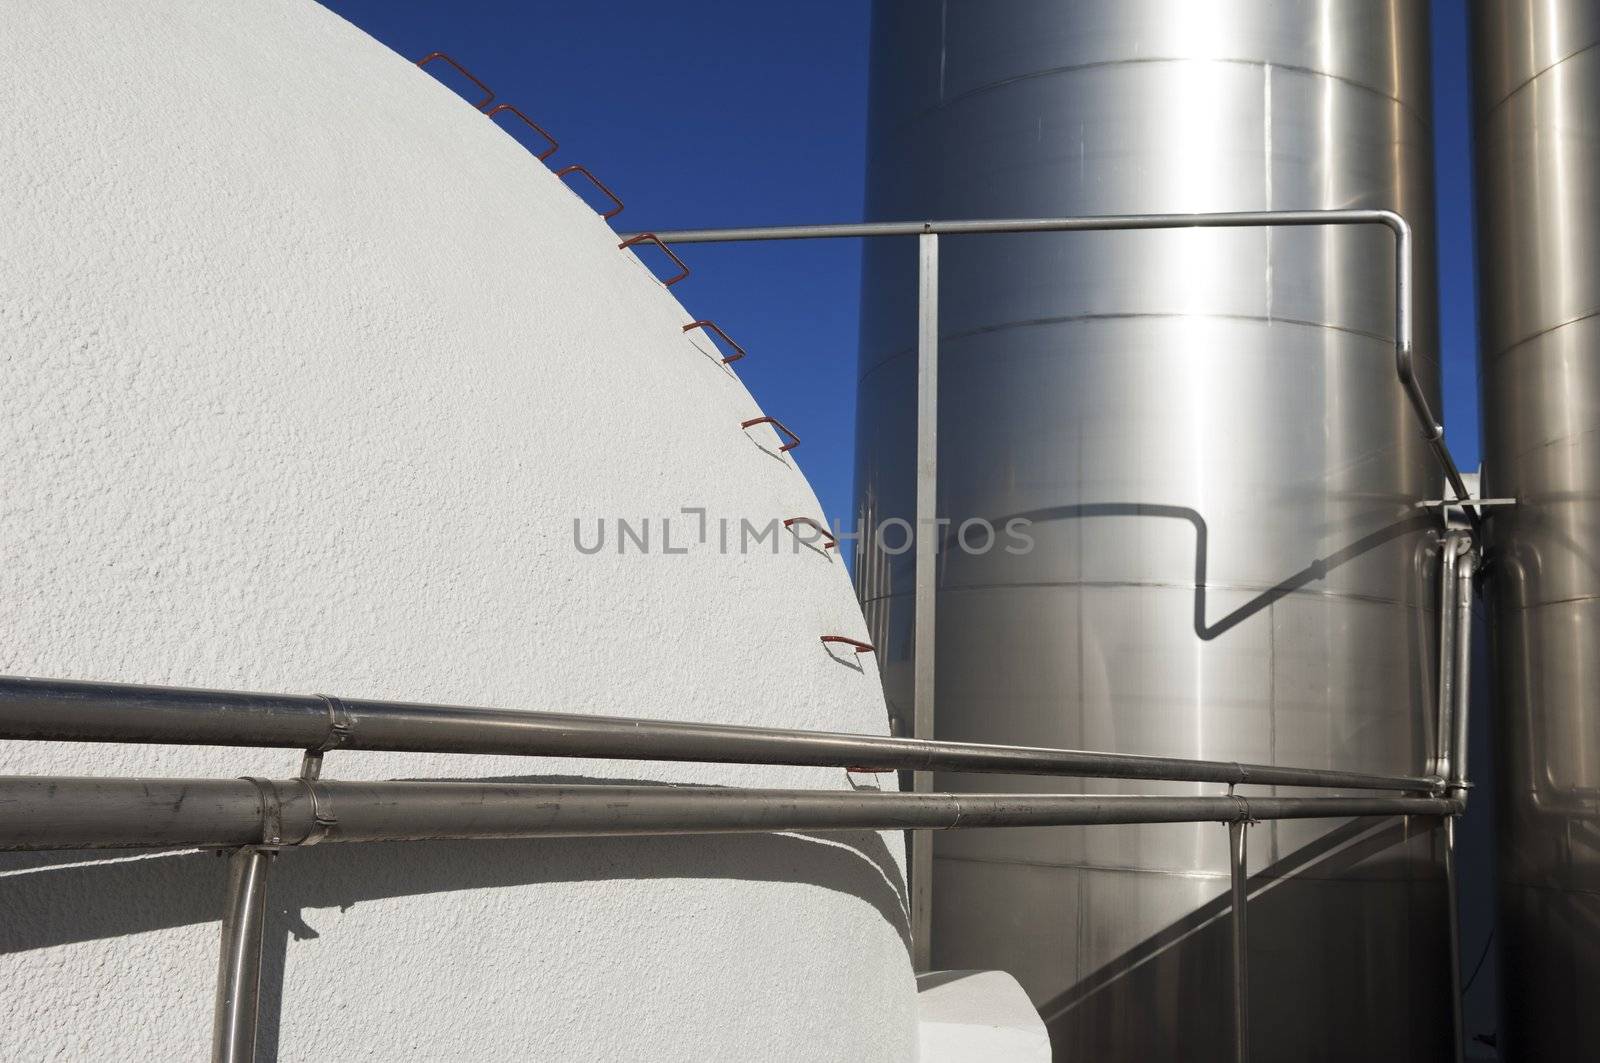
x=1537 y=75
x=1221 y=473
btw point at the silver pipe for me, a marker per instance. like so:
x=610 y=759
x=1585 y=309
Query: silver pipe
x=1239 y=219
x=927 y=561
x=69 y=710
x=1466 y=566
x=1455 y=668
x=44 y=812
x=1404 y=344
x=1237 y=871
x=233 y=1033
x=1444 y=738
x=1452 y=891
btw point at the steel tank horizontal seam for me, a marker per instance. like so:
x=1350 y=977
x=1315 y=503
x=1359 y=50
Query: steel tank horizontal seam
x=1034 y=75
x=1005 y=326
x=1159 y=585
x=1564 y=890
x=1532 y=452
x=1069 y=319
x=1523 y=341
x=1490 y=109
x=1547 y=603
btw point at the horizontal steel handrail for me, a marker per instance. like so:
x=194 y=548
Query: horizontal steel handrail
x=1404 y=346
x=1236 y=219
x=76 y=711
x=44 y=812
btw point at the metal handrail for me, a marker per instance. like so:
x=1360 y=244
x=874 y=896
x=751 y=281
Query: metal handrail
x=1404 y=340
x=77 y=711
x=256 y=817
x=63 y=812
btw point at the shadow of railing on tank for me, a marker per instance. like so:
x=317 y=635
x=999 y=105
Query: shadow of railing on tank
x=1317 y=569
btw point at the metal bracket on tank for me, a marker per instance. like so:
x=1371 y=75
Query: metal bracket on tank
x=536 y=127
x=828 y=541
x=860 y=647
x=779 y=426
x=652 y=238
x=592 y=179
x=488 y=97
x=714 y=328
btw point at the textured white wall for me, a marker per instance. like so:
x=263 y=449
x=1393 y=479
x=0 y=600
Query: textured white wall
x=305 y=370
x=973 y=1016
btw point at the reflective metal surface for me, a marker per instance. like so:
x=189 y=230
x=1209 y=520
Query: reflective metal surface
x=59 y=812
x=1204 y=429
x=1239 y=904
x=1537 y=68
x=79 y=711
x=238 y=1003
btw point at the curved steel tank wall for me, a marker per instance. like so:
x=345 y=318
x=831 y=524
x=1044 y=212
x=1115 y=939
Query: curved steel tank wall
x=1206 y=431
x=1538 y=141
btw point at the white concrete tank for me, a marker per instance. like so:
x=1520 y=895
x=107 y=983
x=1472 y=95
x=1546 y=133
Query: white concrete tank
x=306 y=372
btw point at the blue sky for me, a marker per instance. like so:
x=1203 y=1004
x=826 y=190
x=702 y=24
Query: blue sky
x=731 y=112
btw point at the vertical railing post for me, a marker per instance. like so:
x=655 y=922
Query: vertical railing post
x=927 y=559
x=1238 y=873
x=1455 y=695
x=1466 y=567
x=1450 y=885
x=233 y=1035
x=1445 y=736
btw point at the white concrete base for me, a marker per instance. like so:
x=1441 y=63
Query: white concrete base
x=978 y=1017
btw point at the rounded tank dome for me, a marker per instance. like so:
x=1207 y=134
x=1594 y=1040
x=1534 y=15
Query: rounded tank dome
x=313 y=379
